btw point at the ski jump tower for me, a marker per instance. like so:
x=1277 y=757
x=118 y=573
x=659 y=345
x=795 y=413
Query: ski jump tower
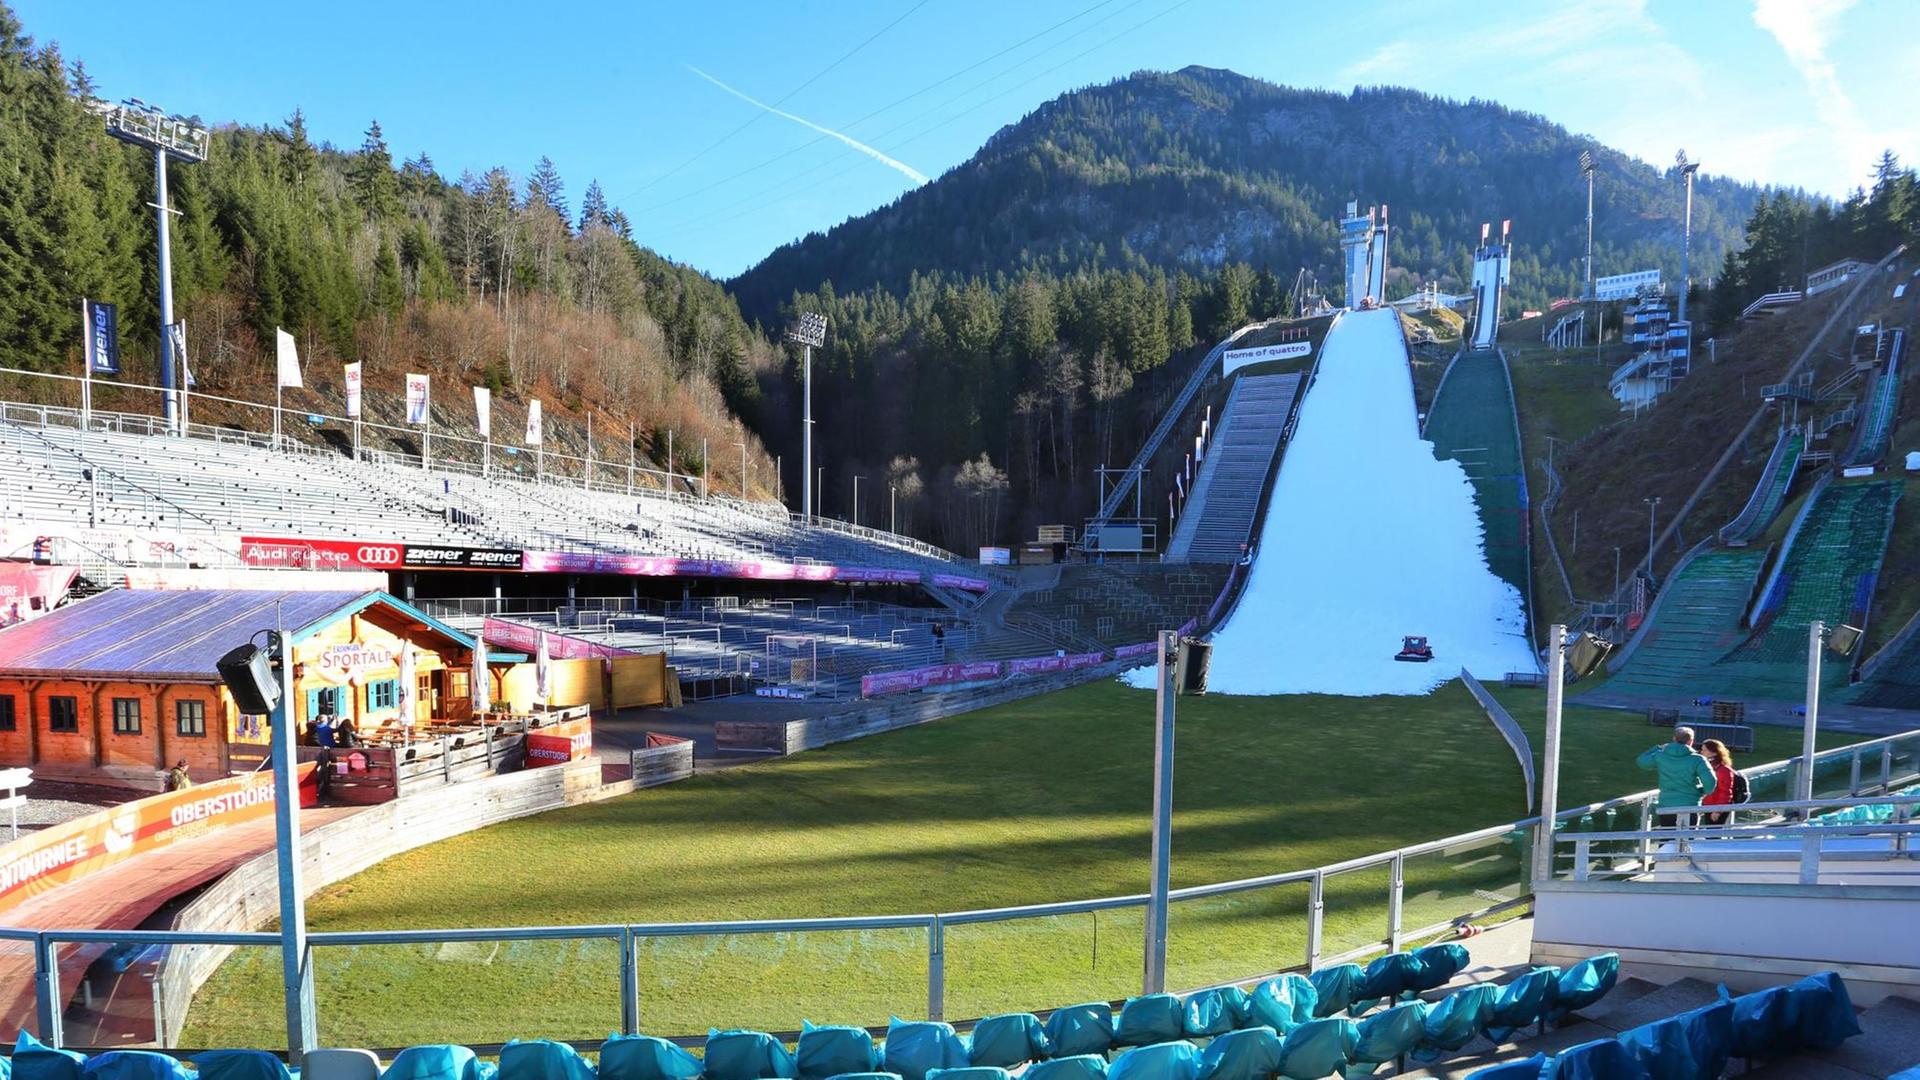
x=1492 y=269
x=1363 y=241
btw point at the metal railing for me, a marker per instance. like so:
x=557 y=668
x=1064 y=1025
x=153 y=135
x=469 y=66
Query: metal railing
x=1792 y=831
x=1325 y=914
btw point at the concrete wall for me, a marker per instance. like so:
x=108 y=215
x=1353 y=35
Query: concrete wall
x=1747 y=936
x=248 y=898
x=873 y=717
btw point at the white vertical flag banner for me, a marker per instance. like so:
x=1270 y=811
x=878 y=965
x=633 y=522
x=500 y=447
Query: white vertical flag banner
x=177 y=332
x=483 y=409
x=481 y=687
x=406 y=694
x=352 y=380
x=416 y=399
x=533 y=422
x=289 y=359
x=542 y=673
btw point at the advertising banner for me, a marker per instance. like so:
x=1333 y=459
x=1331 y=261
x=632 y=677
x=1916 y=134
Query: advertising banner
x=287 y=358
x=957 y=581
x=519 y=637
x=103 y=338
x=584 y=562
x=325 y=554
x=352 y=381
x=416 y=399
x=423 y=557
x=41 y=861
x=900 y=682
x=557 y=744
x=1234 y=359
x=30 y=591
x=483 y=410
x=1127 y=652
x=1039 y=665
x=996 y=556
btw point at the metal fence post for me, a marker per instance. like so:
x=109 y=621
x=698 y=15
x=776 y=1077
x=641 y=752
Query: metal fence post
x=1810 y=856
x=1581 y=849
x=1886 y=766
x=629 y=982
x=46 y=988
x=936 y=969
x=1394 y=898
x=1853 y=774
x=1316 y=918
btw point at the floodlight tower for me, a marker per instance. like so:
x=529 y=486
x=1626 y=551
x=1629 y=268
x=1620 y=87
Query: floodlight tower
x=134 y=121
x=1586 y=169
x=1687 y=169
x=811 y=333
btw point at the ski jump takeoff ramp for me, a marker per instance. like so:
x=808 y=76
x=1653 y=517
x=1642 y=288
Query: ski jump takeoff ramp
x=1368 y=537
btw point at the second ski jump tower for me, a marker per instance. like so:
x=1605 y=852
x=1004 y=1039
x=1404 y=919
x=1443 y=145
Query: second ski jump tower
x=1492 y=269
x=1363 y=241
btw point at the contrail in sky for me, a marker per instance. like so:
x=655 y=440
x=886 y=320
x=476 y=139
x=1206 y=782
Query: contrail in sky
x=903 y=168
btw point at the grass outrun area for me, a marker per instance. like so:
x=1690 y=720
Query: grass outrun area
x=1046 y=799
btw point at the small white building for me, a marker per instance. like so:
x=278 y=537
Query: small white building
x=1836 y=275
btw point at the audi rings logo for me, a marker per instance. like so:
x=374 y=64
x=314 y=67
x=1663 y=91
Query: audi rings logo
x=375 y=555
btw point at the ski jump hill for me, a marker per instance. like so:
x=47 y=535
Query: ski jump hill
x=1368 y=535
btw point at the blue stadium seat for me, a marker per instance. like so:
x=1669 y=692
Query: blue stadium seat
x=1601 y=1059
x=1694 y=1043
x=866 y=1076
x=1214 y=1012
x=1334 y=988
x=830 y=1051
x=1823 y=1011
x=1386 y=978
x=237 y=1065
x=1149 y=1019
x=437 y=1061
x=1161 y=1061
x=1763 y=1024
x=34 y=1060
x=1521 y=1003
x=1073 y=1030
x=1249 y=1054
x=1283 y=1003
x=1584 y=983
x=1385 y=1036
x=915 y=1046
x=134 y=1065
x=1318 y=1048
x=644 y=1057
x=1529 y=1069
x=1076 y=1067
x=543 y=1059
x=746 y=1055
x=1437 y=964
x=1008 y=1041
x=1453 y=1021
x=969 y=1072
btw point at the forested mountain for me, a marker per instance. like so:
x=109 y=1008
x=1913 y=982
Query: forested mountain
x=490 y=279
x=1202 y=167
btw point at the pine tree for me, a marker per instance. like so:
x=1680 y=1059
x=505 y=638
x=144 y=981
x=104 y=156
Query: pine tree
x=593 y=207
x=545 y=188
x=301 y=156
x=370 y=174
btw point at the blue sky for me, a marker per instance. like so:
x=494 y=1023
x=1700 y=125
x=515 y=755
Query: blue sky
x=1799 y=92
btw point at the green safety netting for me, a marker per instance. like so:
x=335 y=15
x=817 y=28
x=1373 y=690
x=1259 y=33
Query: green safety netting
x=543 y=1059
x=831 y=1050
x=747 y=1055
x=1008 y=1040
x=1283 y=1003
x=1149 y=1019
x=1081 y=1029
x=644 y=1057
x=916 y=1046
x=1249 y=1054
x=1214 y=1012
x=1161 y=1061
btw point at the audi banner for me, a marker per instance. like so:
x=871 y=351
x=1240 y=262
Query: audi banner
x=311 y=554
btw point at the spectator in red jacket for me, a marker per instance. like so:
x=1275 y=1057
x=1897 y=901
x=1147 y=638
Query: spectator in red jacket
x=1721 y=760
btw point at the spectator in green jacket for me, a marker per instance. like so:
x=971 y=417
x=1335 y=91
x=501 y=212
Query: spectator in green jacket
x=1685 y=776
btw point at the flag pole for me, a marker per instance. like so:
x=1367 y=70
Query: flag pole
x=86 y=370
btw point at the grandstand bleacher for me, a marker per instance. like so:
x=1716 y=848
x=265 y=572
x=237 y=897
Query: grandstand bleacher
x=1473 y=421
x=1218 y=518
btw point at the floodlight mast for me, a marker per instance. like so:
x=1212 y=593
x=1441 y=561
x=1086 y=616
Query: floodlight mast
x=810 y=332
x=184 y=139
x=1687 y=169
x=1586 y=169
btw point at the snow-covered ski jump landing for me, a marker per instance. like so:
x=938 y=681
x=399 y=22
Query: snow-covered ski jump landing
x=1368 y=538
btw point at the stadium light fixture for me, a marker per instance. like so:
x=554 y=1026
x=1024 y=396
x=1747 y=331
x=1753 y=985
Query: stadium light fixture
x=810 y=332
x=1687 y=169
x=1586 y=169
x=183 y=139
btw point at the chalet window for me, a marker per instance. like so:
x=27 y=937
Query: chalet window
x=63 y=714
x=190 y=718
x=126 y=716
x=6 y=712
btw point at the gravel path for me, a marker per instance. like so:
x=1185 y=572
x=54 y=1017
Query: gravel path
x=50 y=803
